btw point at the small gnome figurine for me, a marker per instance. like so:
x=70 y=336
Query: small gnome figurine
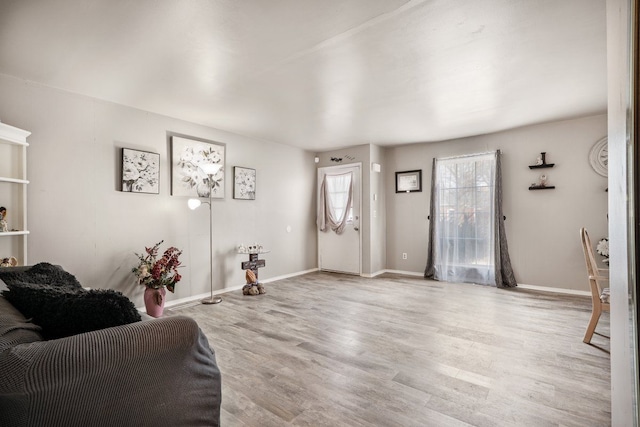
x=4 y=227
x=253 y=287
x=8 y=262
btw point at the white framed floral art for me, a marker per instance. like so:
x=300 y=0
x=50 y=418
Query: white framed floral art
x=187 y=177
x=140 y=171
x=244 y=183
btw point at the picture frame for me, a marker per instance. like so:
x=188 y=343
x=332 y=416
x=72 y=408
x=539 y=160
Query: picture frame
x=187 y=178
x=409 y=181
x=140 y=171
x=244 y=183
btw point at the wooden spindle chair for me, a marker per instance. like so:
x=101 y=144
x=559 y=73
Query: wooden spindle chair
x=598 y=278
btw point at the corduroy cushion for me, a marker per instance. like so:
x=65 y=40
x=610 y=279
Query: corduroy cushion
x=14 y=328
x=63 y=311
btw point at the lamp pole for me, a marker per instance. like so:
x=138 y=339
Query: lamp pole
x=211 y=299
x=209 y=169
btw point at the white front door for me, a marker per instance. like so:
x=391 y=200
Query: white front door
x=341 y=252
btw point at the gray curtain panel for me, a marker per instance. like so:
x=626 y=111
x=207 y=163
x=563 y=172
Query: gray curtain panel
x=503 y=270
x=430 y=271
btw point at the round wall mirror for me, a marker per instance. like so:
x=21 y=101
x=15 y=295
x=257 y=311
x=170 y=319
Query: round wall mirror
x=599 y=157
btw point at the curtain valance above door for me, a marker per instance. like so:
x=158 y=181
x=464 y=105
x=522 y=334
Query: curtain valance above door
x=336 y=195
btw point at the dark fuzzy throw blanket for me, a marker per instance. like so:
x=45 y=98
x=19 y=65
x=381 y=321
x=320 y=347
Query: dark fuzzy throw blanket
x=56 y=302
x=42 y=273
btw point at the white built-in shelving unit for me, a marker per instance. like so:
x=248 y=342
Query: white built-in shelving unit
x=13 y=191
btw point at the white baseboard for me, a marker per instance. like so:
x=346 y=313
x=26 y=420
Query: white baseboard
x=405 y=273
x=287 y=276
x=372 y=275
x=193 y=298
x=555 y=290
x=198 y=297
x=520 y=285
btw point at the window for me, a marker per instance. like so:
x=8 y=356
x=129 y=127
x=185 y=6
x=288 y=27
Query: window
x=464 y=229
x=339 y=191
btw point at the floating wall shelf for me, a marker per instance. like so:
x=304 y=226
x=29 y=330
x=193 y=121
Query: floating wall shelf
x=546 y=165
x=539 y=187
x=541 y=163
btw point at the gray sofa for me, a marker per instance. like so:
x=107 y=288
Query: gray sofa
x=156 y=372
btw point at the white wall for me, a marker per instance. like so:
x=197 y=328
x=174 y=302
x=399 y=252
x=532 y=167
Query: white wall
x=542 y=226
x=623 y=276
x=80 y=220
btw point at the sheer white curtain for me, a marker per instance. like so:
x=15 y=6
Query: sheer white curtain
x=336 y=194
x=464 y=229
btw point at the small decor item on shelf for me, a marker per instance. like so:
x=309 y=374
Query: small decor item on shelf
x=250 y=249
x=253 y=287
x=603 y=249
x=156 y=275
x=9 y=262
x=4 y=227
x=541 y=162
x=542 y=184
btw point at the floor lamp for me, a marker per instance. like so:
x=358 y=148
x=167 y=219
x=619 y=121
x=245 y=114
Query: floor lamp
x=210 y=170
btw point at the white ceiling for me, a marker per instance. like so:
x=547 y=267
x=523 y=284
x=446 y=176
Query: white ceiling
x=321 y=74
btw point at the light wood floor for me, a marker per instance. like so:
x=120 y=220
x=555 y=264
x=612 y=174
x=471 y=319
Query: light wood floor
x=334 y=350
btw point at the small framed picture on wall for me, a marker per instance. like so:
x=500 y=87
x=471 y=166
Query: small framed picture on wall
x=409 y=181
x=244 y=183
x=140 y=171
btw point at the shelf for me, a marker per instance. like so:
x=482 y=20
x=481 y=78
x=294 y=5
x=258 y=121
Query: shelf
x=546 y=165
x=537 y=187
x=13 y=135
x=13 y=180
x=14 y=233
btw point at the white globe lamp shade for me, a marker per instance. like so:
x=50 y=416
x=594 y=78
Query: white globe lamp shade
x=210 y=168
x=194 y=203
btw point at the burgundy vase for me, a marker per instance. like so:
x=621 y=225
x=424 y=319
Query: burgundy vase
x=154 y=301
